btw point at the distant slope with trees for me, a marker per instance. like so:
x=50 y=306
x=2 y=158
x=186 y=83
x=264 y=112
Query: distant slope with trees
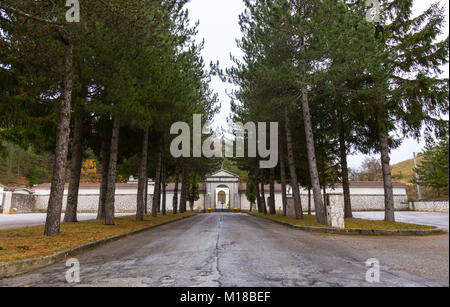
x=432 y=168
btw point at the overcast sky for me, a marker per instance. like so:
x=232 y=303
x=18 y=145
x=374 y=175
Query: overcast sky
x=220 y=29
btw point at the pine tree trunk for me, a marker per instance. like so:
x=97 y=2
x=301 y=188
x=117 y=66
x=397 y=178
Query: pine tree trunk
x=75 y=171
x=258 y=192
x=164 y=189
x=263 y=193
x=111 y=190
x=175 y=193
x=104 y=156
x=344 y=173
x=387 y=179
x=323 y=180
x=315 y=182
x=159 y=195
x=292 y=169
x=309 y=202
x=157 y=191
x=53 y=220
x=283 y=179
x=272 y=208
x=146 y=198
x=143 y=180
x=184 y=185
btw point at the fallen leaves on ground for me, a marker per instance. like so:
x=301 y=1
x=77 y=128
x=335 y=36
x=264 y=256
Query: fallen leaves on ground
x=26 y=243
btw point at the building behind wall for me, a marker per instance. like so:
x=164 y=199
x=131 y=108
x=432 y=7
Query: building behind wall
x=366 y=196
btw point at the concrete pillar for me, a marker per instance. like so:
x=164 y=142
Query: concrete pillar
x=208 y=196
x=335 y=211
x=290 y=207
x=238 y=198
x=7 y=198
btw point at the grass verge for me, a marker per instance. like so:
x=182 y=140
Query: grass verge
x=350 y=223
x=26 y=243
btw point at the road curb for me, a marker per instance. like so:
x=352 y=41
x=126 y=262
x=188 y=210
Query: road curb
x=15 y=268
x=365 y=232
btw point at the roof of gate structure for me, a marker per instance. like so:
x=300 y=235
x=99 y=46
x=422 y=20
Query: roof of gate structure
x=223 y=174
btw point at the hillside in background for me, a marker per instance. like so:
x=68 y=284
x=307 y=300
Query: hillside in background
x=404 y=172
x=25 y=168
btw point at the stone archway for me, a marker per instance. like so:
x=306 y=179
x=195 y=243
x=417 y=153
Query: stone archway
x=226 y=182
x=223 y=197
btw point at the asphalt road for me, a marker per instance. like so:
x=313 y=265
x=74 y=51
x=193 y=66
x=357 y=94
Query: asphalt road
x=440 y=220
x=239 y=250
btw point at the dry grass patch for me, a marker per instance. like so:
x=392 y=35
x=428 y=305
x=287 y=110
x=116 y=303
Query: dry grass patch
x=383 y=225
x=308 y=220
x=352 y=223
x=25 y=243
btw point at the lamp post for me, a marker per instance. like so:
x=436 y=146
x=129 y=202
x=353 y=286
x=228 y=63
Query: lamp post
x=419 y=192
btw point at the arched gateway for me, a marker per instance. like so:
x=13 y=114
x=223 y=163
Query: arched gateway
x=222 y=191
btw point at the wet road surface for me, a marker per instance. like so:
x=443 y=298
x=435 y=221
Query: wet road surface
x=232 y=250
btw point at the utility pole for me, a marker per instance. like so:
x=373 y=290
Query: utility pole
x=419 y=193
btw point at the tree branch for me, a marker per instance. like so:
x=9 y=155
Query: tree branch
x=17 y=11
x=65 y=37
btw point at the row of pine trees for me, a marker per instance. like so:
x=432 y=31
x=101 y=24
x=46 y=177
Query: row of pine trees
x=338 y=83
x=113 y=82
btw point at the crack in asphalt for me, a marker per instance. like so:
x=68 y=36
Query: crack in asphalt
x=217 y=251
x=211 y=276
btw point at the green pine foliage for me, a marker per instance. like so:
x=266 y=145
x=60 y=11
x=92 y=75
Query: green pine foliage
x=193 y=191
x=433 y=169
x=134 y=59
x=250 y=192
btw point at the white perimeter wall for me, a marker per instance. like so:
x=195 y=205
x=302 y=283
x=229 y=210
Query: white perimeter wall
x=125 y=200
x=1 y=196
x=363 y=199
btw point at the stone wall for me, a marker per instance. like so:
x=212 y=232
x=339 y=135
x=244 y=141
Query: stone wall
x=304 y=201
x=429 y=206
x=364 y=203
x=376 y=203
x=127 y=203
x=23 y=203
x=86 y=203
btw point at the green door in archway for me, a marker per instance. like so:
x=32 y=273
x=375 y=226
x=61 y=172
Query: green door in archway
x=222 y=198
